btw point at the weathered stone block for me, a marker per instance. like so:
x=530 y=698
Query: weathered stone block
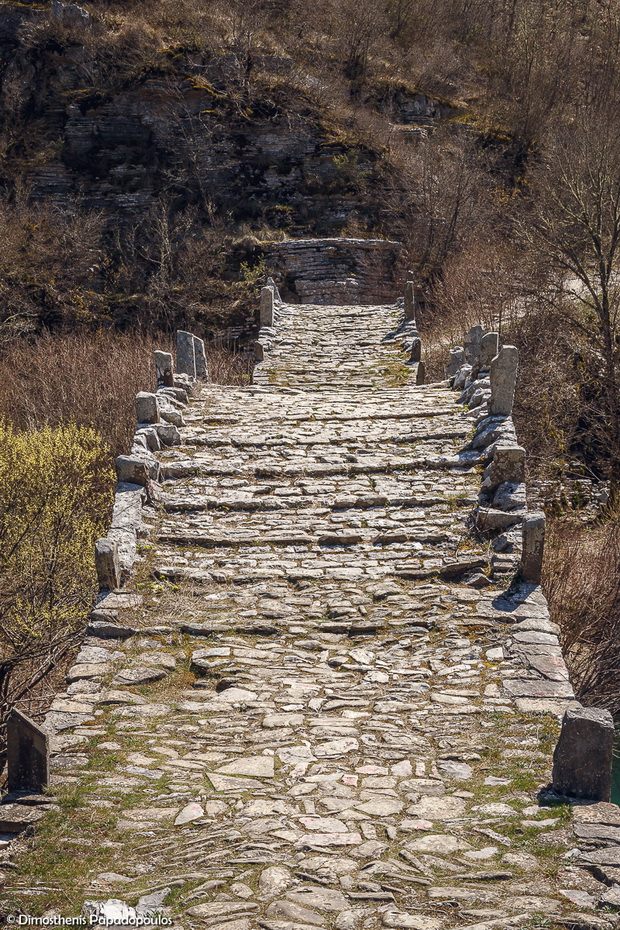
x=276 y=293
x=28 y=755
x=416 y=350
x=186 y=355
x=266 y=306
x=461 y=377
x=132 y=469
x=457 y=359
x=508 y=464
x=489 y=520
x=164 y=369
x=489 y=347
x=259 y=351
x=107 y=564
x=503 y=381
x=168 y=434
x=147 y=408
x=148 y=437
x=409 y=301
x=533 y=546
x=583 y=756
x=200 y=356
x=472 y=344
x=420 y=376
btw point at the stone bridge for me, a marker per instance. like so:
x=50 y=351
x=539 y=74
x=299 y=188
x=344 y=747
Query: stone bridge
x=309 y=706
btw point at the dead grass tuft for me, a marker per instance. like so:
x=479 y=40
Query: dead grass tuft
x=582 y=584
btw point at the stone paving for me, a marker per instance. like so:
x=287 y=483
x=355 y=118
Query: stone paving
x=310 y=707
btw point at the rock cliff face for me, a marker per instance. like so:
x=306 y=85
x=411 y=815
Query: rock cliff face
x=328 y=271
x=190 y=126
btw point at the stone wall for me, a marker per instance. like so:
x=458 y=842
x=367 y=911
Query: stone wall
x=337 y=271
x=486 y=373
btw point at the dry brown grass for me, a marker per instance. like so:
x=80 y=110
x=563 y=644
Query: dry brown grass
x=92 y=378
x=582 y=584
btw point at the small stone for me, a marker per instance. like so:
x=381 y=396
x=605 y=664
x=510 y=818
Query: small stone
x=578 y=897
x=295 y=913
x=190 y=812
x=400 y=920
x=445 y=808
x=437 y=844
x=138 y=675
x=257 y=766
x=323 y=899
x=274 y=880
x=459 y=771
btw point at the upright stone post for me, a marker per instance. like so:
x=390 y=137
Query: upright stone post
x=28 y=754
x=457 y=359
x=266 y=306
x=276 y=293
x=420 y=375
x=186 y=355
x=200 y=357
x=489 y=347
x=583 y=756
x=147 y=408
x=107 y=565
x=410 y=301
x=416 y=350
x=472 y=344
x=533 y=546
x=164 y=369
x=503 y=381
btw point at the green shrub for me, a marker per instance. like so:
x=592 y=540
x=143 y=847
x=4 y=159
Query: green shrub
x=55 y=492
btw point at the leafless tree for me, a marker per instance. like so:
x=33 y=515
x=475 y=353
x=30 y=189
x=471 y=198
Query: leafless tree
x=575 y=228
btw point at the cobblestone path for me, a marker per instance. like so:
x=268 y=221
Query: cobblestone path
x=312 y=721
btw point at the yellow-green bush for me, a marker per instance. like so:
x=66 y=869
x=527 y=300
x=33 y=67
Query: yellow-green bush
x=55 y=493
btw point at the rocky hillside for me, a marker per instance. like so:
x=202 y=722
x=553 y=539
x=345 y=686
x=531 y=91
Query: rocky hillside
x=163 y=141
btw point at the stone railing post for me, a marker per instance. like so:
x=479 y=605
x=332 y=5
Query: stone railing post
x=489 y=347
x=457 y=360
x=200 y=358
x=472 y=343
x=533 y=546
x=186 y=354
x=28 y=755
x=583 y=756
x=416 y=350
x=191 y=356
x=267 y=301
x=164 y=369
x=147 y=408
x=410 y=300
x=107 y=565
x=503 y=381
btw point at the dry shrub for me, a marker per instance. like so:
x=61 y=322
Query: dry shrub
x=480 y=284
x=227 y=367
x=582 y=584
x=90 y=378
x=548 y=403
